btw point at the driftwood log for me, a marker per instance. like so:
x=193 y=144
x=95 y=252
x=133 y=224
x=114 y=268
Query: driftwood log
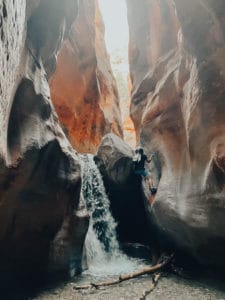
x=147 y=270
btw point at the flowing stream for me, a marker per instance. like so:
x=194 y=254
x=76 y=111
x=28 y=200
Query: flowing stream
x=104 y=257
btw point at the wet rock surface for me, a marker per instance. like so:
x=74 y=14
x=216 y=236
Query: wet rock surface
x=178 y=111
x=83 y=87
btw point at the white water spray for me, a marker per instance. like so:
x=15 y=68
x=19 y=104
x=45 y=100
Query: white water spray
x=104 y=256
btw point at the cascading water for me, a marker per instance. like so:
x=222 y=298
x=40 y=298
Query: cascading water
x=102 y=248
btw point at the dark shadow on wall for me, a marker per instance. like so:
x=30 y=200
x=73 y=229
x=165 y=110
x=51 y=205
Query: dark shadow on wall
x=127 y=203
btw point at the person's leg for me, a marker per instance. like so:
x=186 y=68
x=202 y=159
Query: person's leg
x=150 y=181
x=152 y=189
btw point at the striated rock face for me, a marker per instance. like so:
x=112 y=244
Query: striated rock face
x=178 y=74
x=124 y=188
x=41 y=219
x=153 y=34
x=120 y=68
x=83 y=88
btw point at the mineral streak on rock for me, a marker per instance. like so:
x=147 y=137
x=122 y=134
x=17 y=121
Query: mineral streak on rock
x=178 y=73
x=83 y=88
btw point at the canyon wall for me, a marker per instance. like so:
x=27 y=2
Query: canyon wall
x=83 y=88
x=178 y=72
x=42 y=221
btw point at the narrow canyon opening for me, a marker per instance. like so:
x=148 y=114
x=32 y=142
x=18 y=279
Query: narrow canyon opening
x=114 y=15
x=77 y=202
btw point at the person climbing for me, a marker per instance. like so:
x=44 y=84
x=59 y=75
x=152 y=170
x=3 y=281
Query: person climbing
x=139 y=160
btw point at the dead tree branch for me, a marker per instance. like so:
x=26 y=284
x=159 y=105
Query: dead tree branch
x=155 y=280
x=147 y=270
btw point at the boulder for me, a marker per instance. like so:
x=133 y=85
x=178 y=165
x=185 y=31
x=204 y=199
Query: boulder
x=124 y=188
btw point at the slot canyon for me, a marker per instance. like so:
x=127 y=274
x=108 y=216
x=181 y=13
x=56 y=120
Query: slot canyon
x=74 y=107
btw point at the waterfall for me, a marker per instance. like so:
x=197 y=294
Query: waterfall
x=103 y=254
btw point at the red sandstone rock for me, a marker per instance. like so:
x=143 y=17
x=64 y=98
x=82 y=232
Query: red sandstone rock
x=83 y=88
x=40 y=172
x=177 y=71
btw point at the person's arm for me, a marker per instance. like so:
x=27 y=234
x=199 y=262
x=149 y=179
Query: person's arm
x=150 y=159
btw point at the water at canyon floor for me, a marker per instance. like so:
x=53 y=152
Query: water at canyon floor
x=171 y=288
x=105 y=260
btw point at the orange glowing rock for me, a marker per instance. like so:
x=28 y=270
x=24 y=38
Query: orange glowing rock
x=83 y=88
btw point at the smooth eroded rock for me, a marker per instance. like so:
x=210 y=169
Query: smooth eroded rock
x=178 y=110
x=39 y=170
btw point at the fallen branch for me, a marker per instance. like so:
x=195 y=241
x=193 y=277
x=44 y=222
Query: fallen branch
x=155 y=280
x=147 y=270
